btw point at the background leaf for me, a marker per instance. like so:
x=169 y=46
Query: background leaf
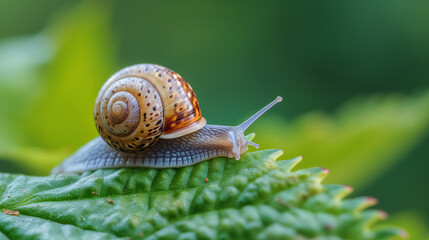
x=369 y=135
x=71 y=79
x=65 y=65
x=412 y=221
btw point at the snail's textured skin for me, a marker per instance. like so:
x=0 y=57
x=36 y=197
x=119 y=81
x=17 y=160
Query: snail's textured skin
x=206 y=143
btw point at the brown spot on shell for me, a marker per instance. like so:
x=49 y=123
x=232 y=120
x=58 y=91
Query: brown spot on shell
x=182 y=116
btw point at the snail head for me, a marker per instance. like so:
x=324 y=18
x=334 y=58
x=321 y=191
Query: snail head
x=236 y=134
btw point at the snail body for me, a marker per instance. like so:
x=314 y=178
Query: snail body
x=149 y=116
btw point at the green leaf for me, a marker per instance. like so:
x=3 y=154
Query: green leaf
x=72 y=79
x=20 y=61
x=254 y=198
x=413 y=221
x=57 y=71
x=366 y=136
x=52 y=81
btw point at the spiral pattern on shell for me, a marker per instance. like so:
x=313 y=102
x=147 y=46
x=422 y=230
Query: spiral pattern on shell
x=142 y=103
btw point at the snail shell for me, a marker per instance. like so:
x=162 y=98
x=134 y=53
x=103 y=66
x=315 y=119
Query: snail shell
x=142 y=103
x=148 y=116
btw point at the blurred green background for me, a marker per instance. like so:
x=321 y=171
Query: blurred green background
x=354 y=76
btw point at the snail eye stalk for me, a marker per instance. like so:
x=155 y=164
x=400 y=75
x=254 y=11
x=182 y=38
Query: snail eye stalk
x=246 y=124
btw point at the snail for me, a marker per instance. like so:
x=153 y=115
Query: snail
x=148 y=116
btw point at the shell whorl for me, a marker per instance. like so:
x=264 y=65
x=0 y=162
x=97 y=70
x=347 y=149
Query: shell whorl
x=145 y=102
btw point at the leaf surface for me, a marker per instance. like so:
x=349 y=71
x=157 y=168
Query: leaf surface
x=254 y=198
